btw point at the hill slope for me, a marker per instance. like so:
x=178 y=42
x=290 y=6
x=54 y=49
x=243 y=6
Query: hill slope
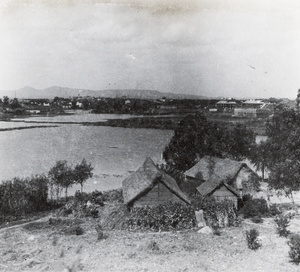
x=29 y=92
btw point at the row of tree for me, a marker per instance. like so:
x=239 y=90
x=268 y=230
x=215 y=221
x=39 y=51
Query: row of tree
x=63 y=176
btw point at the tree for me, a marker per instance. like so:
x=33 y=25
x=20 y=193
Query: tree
x=283 y=140
x=15 y=104
x=259 y=157
x=5 y=101
x=282 y=151
x=62 y=176
x=285 y=177
x=82 y=172
x=195 y=137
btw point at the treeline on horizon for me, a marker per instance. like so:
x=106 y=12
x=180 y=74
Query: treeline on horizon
x=120 y=105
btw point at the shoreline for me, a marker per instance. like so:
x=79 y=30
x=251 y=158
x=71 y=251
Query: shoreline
x=153 y=122
x=29 y=127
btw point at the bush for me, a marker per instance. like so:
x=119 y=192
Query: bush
x=274 y=210
x=294 y=244
x=252 y=239
x=165 y=217
x=21 y=196
x=255 y=207
x=113 y=196
x=282 y=222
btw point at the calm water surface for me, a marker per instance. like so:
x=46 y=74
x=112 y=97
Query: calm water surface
x=78 y=116
x=113 y=152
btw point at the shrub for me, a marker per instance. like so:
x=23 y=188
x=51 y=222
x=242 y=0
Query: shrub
x=252 y=239
x=282 y=222
x=255 y=207
x=274 y=210
x=294 y=244
x=20 y=196
x=113 y=196
x=170 y=216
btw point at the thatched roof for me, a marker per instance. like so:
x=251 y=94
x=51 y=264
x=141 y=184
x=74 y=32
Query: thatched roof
x=208 y=167
x=144 y=179
x=209 y=187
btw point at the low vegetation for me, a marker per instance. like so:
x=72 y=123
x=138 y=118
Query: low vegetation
x=294 y=252
x=256 y=207
x=282 y=223
x=164 y=217
x=21 y=196
x=218 y=214
x=252 y=239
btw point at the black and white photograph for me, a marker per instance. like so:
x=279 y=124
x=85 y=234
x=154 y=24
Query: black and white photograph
x=150 y=135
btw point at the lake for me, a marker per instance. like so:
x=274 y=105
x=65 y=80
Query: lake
x=75 y=117
x=113 y=152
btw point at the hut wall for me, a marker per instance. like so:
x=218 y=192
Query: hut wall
x=224 y=194
x=159 y=194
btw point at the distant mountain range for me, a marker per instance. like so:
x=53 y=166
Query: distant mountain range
x=29 y=92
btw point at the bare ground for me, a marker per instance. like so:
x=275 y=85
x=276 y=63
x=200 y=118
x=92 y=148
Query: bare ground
x=40 y=246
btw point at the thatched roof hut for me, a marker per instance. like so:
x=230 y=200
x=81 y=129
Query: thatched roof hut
x=219 y=189
x=151 y=186
x=234 y=173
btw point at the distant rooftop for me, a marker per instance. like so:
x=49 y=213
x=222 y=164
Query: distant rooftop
x=253 y=101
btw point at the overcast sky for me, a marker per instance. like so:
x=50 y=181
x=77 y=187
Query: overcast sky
x=226 y=48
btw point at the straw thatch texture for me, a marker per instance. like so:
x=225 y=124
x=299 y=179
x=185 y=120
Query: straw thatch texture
x=144 y=179
x=211 y=166
x=209 y=187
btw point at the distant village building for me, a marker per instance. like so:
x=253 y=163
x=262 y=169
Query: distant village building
x=226 y=105
x=31 y=111
x=223 y=177
x=252 y=104
x=150 y=186
x=254 y=109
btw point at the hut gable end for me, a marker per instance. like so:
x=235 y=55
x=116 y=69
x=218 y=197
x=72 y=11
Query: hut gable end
x=141 y=186
x=216 y=170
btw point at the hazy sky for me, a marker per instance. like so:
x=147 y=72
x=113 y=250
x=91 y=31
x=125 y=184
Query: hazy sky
x=207 y=47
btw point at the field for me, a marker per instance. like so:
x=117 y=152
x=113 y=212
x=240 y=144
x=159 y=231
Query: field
x=51 y=244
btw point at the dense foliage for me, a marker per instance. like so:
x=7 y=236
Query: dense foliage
x=82 y=172
x=195 y=137
x=20 y=196
x=165 y=217
x=255 y=207
x=217 y=214
x=280 y=153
